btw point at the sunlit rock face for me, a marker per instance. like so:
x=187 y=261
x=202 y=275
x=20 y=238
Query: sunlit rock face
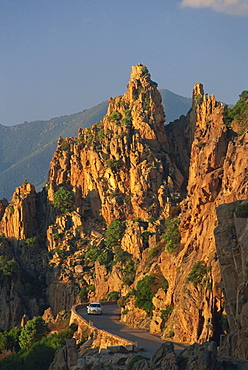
x=132 y=167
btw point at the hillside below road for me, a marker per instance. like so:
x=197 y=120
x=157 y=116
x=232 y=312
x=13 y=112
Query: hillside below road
x=109 y=321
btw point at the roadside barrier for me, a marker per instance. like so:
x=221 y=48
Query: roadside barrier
x=87 y=330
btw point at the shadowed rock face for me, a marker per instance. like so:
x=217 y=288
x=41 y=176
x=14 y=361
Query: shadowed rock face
x=231 y=236
x=129 y=166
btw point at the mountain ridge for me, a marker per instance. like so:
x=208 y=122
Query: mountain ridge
x=19 y=143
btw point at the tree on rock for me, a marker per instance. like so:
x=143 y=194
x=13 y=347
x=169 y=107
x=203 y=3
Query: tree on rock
x=64 y=200
x=32 y=332
x=114 y=232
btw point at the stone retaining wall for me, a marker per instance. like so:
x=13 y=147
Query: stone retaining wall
x=101 y=338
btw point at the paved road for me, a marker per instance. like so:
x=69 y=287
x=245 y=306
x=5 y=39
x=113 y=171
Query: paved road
x=109 y=321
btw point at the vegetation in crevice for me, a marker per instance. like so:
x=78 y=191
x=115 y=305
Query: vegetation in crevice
x=171 y=235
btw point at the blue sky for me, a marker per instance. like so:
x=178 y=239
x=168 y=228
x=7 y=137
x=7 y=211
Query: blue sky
x=62 y=56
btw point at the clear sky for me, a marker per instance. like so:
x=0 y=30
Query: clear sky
x=59 y=57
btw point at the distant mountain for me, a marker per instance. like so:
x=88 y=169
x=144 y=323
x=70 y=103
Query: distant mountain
x=26 y=149
x=174 y=105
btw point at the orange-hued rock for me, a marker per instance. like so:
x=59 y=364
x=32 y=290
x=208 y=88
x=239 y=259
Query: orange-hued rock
x=132 y=167
x=119 y=168
x=19 y=219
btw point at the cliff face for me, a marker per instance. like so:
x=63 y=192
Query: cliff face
x=165 y=184
x=231 y=236
x=120 y=167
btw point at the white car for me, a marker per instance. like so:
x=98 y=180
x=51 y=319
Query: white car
x=94 y=308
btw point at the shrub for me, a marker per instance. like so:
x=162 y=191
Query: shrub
x=10 y=340
x=172 y=235
x=165 y=314
x=138 y=219
x=91 y=288
x=145 y=238
x=115 y=116
x=111 y=163
x=57 y=236
x=242 y=210
x=82 y=294
x=60 y=252
x=144 y=293
x=239 y=112
x=198 y=99
x=113 y=296
x=32 y=332
x=92 y=254
x=152 y=219
x=65 y=146
x=121 y=255
x=105 y=257
x=39 y=355
x=32 y=242
x=114 y=232
x=129 y=272
x=64 y=200
x=198 y=272
x=153 y=252
x=8 y=268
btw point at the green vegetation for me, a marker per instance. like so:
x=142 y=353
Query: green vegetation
x=145 y=237
x=198 y=99
x=129 y=272
x=113 y=296
x=165 y=314
x=135 y=359
x=32 y=347
x=57 y=236
x=65 y=146
x=115 y=116
x=239 y=112
x=103 y=256
x=60 y=252
x=83 y=294
x=32 y=242
x=20 y=161
x=145 y=293
x=172 y=235
x=128 y=118
x=8 y=268
x=113 y=163
x=197 y=274
x=138 y=219
x=242 y=210
x=121 y=255
x=9 y=340
x=114 y=232
x=32 y=332
x=153 y=252
x=64 y=200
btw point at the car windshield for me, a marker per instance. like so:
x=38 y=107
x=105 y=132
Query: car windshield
x=95 y=305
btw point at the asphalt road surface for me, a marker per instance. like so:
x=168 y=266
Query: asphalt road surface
x=109 y=321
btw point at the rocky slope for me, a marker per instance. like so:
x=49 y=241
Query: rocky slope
x=130 y=208
x=19 y=160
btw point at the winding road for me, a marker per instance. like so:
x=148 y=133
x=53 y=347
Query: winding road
x=109 y=321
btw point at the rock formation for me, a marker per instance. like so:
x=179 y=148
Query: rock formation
x=163 y=185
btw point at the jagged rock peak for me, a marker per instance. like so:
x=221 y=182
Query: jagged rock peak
x=198 y=90
x=139 y=71
x=140 y=76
